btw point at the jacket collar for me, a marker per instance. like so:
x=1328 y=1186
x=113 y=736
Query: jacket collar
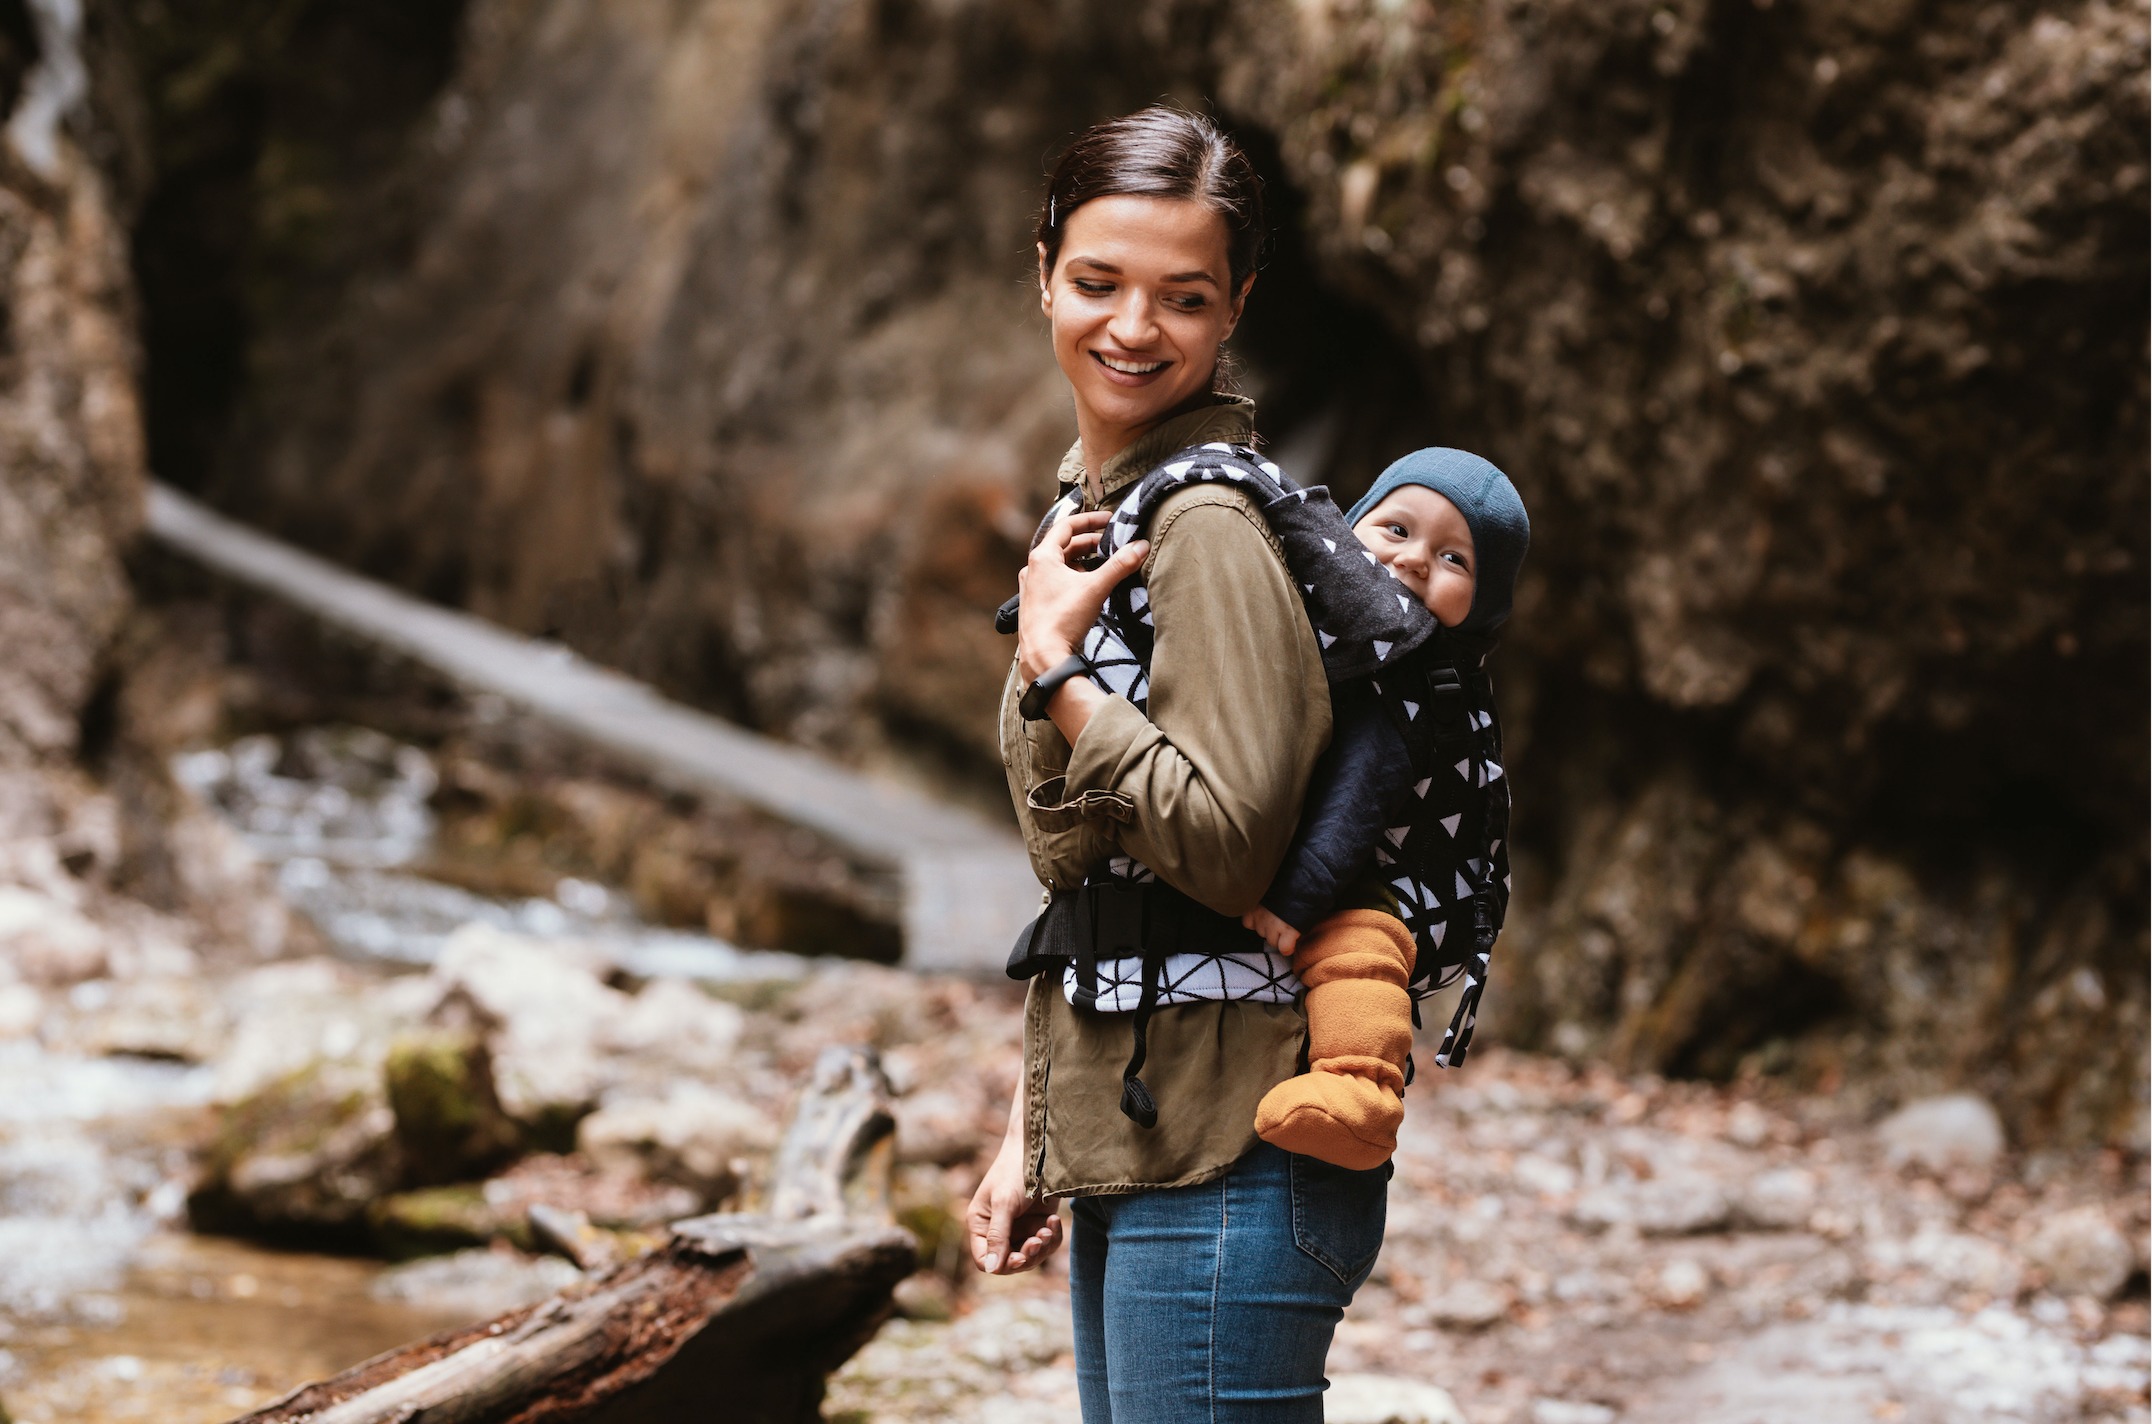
x=1227 y=418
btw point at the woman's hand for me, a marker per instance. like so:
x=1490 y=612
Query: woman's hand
x=1009 y=1232
x=1061 y=601
x=1276 y=933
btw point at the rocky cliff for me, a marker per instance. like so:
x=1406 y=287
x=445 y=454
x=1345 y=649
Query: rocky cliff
x=701 y=337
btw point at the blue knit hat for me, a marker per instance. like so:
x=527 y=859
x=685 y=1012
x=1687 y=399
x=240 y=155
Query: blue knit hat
x=1492 y=508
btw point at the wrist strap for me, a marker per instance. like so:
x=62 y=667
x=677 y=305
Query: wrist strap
x=1032 y=705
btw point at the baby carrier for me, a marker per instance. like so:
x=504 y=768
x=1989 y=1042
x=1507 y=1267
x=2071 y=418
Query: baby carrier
x=1447 y=861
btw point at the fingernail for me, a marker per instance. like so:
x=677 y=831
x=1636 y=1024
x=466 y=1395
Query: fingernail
x=992 y=1264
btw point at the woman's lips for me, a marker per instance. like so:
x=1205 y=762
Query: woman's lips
x=1138 y=376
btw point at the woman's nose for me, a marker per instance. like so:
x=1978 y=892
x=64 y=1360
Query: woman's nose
x=1133 y=324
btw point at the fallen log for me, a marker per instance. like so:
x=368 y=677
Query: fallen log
x=738 y=1316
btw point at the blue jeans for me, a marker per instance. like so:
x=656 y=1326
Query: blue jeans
x=1215 y=1304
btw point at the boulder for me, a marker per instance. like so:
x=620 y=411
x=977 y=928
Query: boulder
x=509 y=1209
x=545 y=1014
x=939 y=1126
x=693 y=1136
x=175 y=1019
x=1469 y=1305
x=2081 y=1253
x=474 y=1284
x=1679 y=1204
x=48 y=941
x=303 y=1159
x=675 y=1028
x=1936 y=1264
x=1943 y=1133
x=449 y=1120
x=1782 y=1199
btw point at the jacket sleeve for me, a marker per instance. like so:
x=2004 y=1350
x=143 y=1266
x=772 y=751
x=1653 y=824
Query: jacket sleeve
x=1206 y=791
x=1359 y=786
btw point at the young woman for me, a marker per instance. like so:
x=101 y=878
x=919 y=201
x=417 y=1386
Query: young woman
x=1208 y=1269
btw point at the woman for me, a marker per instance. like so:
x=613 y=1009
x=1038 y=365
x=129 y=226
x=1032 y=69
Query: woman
x=1208 y=1270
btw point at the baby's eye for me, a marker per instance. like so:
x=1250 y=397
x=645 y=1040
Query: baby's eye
x=1395 y=530
x=1457 y=559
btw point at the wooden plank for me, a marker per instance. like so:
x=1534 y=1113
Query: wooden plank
x=968 y=884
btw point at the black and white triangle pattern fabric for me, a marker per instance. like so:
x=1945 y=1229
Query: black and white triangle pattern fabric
x=1447 y=864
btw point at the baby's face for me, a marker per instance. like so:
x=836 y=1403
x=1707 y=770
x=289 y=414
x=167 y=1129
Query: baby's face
x=1424 y=540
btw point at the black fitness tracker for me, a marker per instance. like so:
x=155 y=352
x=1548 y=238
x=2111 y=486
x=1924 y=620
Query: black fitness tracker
x=1033 y=703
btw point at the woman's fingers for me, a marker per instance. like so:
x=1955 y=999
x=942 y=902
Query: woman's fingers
x=1125 y=561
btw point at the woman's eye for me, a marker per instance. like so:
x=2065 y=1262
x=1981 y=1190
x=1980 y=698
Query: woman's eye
x=1092 y=289
x=1188 y=304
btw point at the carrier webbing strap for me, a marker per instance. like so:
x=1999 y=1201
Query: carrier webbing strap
x=1113 y=920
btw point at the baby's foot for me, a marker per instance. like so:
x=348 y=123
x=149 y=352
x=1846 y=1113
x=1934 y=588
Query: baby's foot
x=1339 y=1118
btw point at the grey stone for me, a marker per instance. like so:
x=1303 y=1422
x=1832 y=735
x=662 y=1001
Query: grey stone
x=1782 y=1199
x=2082 y=1253
x=1469 y=1305
x=474 y=1284
x=1387 y=1399
x=1570 y=1411
x=1684 y=1204
x=692 y=1136
x=1939 y=1134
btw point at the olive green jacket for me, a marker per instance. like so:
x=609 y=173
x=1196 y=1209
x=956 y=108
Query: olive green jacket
x=1206 y=792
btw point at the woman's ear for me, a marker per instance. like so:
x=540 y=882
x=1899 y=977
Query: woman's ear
x=1240 y=304
x=1046 y=284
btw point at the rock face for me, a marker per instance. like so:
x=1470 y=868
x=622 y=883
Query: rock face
x=700 y=337
x=70 y=440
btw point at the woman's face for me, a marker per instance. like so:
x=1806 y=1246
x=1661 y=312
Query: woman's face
x=1139 y=302
x=1425 y=541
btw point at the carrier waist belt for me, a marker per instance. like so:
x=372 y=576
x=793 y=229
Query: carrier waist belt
x=1122 y=919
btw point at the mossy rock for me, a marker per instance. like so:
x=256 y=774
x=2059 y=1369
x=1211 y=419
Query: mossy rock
x=434 y=1220
x=449 y=1120
x=299 y=1161
x=939 y=1233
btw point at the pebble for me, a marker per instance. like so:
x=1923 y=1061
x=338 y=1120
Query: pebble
x=1681 y=1284
x=476 y=1283
x=1686 y=1204
x=1469 y=1305
x=1779 y=1200
x=1387 y=1399
x=2081 y=1253
x=1939 y=1134
x=1747 y=1125
x=1570 y=1411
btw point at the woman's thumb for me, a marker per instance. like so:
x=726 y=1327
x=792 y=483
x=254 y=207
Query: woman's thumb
x=1126 y=560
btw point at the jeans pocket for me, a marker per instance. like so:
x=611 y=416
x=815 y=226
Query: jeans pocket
x=1338 y=1215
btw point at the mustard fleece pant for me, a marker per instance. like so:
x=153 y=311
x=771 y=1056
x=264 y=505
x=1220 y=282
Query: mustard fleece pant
x=1345 y=1109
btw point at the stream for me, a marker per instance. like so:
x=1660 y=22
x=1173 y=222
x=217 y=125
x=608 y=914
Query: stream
x=110 y=1309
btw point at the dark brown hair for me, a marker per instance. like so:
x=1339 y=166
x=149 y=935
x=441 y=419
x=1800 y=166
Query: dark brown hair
x=1160 y=152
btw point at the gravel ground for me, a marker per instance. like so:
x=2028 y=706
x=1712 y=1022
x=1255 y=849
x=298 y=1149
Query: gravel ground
x=1568 y=1246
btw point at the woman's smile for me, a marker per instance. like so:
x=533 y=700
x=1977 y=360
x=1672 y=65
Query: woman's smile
x=1129 y=370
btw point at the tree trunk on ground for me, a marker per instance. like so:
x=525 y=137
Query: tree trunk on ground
x=746 y=1312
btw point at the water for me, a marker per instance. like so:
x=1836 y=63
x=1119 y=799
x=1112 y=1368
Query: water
x=341 y=815
x=109 y=1309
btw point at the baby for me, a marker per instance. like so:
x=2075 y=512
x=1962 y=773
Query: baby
x=1453 y=531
